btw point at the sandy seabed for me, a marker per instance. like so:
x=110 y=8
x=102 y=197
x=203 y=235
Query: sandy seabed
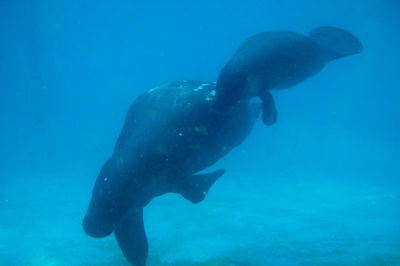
x=246 y=219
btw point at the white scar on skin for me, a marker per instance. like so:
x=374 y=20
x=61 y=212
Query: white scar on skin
x=202 y=86
x=210 y=96
x=153 y=89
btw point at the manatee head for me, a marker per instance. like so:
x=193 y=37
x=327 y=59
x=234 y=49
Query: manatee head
x=110 y=201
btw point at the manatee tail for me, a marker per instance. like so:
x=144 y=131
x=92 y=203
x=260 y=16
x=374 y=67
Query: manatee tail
x=340 y=43
x=132 y=239
x=195 y=187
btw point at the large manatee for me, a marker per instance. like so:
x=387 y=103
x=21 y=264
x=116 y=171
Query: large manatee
x=170 y=133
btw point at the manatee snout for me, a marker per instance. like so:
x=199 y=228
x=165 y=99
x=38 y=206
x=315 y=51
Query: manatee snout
x=94 y=227
x=109 y=202
x=103 y=214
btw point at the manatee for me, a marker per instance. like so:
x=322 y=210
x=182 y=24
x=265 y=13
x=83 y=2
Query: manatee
x=279 y=60
x=174 y=131
x=169 y=135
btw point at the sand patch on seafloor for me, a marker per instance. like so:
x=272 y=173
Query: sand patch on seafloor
x=249 y=221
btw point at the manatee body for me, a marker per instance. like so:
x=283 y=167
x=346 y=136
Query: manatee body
x=279 y=60
x=170 y=133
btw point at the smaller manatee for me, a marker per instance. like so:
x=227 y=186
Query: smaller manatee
x=279 y=60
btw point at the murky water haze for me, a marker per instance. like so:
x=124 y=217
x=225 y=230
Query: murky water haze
x=320 y=187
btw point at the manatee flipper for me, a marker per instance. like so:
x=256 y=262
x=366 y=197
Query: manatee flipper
x=269 y=113
x=195 y=187
x=132 y=239
x=338 y=42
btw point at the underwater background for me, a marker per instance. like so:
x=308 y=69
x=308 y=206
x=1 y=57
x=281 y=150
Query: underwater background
x=320 y=187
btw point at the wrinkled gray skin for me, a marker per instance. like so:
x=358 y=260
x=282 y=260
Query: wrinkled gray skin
x=176 y=130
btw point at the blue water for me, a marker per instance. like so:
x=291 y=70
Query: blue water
x=320 y=187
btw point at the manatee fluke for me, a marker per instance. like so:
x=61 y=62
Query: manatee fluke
x=338 y=42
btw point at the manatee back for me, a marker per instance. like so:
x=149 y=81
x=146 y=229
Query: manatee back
x=338 y=42
x=157 y=109
x=175 y=128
